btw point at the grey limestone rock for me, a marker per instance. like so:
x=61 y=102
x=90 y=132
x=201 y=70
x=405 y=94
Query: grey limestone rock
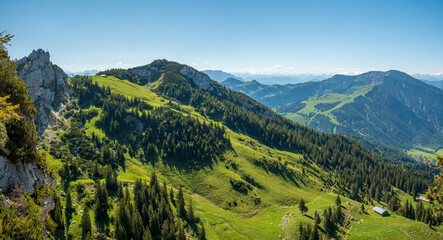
x=25 y=175
x=47 y=85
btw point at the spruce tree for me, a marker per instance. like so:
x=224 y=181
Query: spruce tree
x=317 y=218
x=338 y=201
x=58 y=214
x=86 y=224
x=314 y=233
x=181 y=203
x=181 y=232
x=191 y=216
x=120 y=232
x=171 y=196
x=147 y=234
x=69 y=208
x=302 y=206
x=202 y=233
x=137 y=225
x=300 y=231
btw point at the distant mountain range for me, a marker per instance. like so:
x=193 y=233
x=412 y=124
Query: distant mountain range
x=221 y=76
x=438 y=84
x=390 y=107
x=83 y=73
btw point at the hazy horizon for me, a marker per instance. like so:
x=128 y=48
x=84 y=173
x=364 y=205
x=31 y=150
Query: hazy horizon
x=279 y=38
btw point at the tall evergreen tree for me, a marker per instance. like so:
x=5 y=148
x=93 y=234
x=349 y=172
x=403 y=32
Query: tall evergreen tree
x=86 y=224
x=181 y=203
x=69 y=208
x=137 y=225
x=302 y=206
x=58 y=214
x=338 y=201
x=190 y=212
x=202 y=233
x=314 y=233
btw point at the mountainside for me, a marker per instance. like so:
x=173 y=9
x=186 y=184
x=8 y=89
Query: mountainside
x=231 y=167
x=391 y=107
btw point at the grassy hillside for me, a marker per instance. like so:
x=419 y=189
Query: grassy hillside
x=324 y=105
x=257 y=211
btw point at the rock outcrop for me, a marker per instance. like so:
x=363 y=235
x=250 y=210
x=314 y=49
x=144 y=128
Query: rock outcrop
x=47 y=85
x=150 y=72
x=26 y=176
x=200 y=79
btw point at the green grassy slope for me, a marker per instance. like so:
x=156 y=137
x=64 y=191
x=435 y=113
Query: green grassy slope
x=259 y=213
x=309 y=112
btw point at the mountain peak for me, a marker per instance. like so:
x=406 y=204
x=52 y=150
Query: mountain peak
x=47 y=84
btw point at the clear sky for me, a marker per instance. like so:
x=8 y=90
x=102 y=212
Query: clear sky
x=237 y=36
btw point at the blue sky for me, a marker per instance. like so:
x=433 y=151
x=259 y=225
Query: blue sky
x=237 y=36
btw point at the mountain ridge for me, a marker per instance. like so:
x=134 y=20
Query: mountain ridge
x=419 y=101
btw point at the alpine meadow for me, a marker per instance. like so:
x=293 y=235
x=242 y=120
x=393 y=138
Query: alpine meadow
x=230 y=120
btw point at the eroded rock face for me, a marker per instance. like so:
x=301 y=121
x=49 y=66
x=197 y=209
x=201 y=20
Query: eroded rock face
x=200 y=79
x=150 y=72
x=27 y=176
x=47 y=85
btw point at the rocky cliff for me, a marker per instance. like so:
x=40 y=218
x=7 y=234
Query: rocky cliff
x=47 y=85
x=26 y=176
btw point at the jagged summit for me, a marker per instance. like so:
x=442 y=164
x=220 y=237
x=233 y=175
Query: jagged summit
x=47 y=84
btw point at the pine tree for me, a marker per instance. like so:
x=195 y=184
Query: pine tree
x=58 y=214
x=317 y=218
x=137 y=225
x=86 y=224
x=111 y=179
x=101 y=201
x=338 y=201
x=171 y=196
x=181 y=203
x=202 y=233
x=191 y=216
x=120 y=232
x=68 y=208
x=300 y=231
x=328 y=224
x=181 y=232
x=95 y=170
x=362 y=208
x=302 y=206
x=314 y=233
x=147 y=234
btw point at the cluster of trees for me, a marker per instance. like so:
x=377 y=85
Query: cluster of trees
x=145 y=214
x=20 y=131
x=359 y=170
x=333 y=218
x=308 y=232
x=419 y=213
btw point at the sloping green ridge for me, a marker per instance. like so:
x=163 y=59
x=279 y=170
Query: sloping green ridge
x=212 y=193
